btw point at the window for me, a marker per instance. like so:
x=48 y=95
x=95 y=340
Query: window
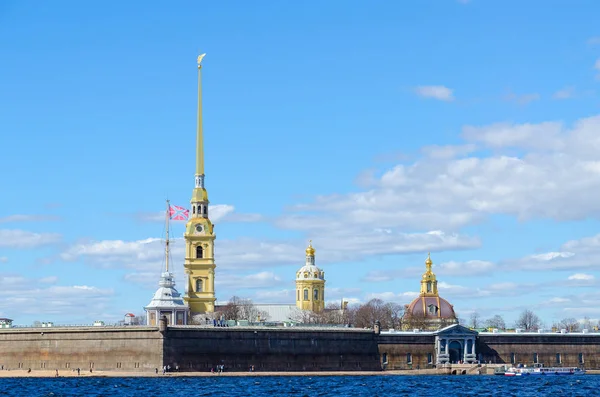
x=513 y=359
x=432 y=309
x=316 y=294
x=204 y=209
x=199 y=252
x=581 y=358
x=409 y=358
x=193 y=209
x=429 y=358
x=535 y=358
x=198 y=285
x=558 y=360
x=305 y=294
x=385 y=358
x=429 y=287
x=298 y=295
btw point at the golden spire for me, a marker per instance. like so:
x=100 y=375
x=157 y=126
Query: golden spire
x=199 y=137
x=310 y=251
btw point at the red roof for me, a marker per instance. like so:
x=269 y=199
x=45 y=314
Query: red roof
x=130 y=315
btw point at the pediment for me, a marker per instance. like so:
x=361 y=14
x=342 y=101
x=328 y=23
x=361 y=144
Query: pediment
x=455 y=329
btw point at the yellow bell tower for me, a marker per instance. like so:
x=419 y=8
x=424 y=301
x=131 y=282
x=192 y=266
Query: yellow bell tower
x=310 y=284
x=199 y=234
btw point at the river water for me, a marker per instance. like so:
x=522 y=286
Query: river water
x=217 y=386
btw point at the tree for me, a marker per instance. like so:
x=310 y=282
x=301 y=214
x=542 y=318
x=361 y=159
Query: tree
x=570 y=324
x=474 y=320
x=242 y=309
x=389 y=314
x=528 y=320
x=495 y=322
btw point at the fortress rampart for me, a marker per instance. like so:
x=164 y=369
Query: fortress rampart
x=68 y=348
x=200 y=348
x=272 y=349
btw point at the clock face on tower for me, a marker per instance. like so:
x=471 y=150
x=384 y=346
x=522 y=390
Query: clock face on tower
x=199 y=228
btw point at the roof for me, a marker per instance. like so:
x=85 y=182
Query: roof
x=166 y=296
x=431 y=307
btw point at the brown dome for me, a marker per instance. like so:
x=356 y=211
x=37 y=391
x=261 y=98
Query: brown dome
x=431 y=307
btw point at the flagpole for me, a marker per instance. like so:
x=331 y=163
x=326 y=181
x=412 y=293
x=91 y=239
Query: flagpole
x=167 y=244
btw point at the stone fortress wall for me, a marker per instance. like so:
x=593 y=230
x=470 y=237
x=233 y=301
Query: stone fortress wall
x=199 y=348
x=272 y=349
x=550 y=349
x=69 y=348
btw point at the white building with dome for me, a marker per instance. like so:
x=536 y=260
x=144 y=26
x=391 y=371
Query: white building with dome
x=310 y=284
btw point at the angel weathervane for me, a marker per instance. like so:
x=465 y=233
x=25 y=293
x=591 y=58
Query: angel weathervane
x=200 y=58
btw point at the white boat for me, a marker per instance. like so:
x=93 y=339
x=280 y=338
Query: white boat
x=543 y=371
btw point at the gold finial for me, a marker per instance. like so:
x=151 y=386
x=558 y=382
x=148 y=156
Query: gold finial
x=200 y=59
x=310 y=251
x=428 y=261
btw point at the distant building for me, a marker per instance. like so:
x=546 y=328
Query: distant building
x=429 y=310
x=6 y=323
x=129 y=319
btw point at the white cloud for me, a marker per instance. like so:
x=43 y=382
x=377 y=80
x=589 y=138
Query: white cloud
x=220 y=211
x=3 y=259
x=581 y=276
x=276 y=296
x=20 y=296
x=565 y=93
x=521 y=99
x=465 y=269
x=402 y=297
x=504 y=135
x=28 y=218
x=48 y=280
x=556 y=176
x=15 y=238
x=594 y=40
x=597 y=67
x=149 y=280
x=356 y=233
x=448 y=151
x=109 y=252
x=257 y=280
x=559 y=300
x=575 y=255
x=148 y=253
x=435 y=91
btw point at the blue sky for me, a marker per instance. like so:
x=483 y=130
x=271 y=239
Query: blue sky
x=382 y=131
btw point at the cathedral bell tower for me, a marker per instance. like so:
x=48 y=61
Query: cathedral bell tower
x=199 y=234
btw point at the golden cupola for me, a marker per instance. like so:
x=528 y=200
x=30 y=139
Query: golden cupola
x=310 y=251
x=428 y=281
